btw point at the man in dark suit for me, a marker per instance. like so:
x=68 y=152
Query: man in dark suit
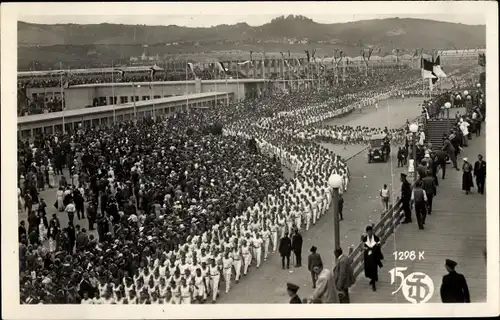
x=429 y=186
x=313 y=260
x=343 y=276
x=440 y=160
x=292 y=292
x=454 y=287
x=480 y=174
x=406 y=197
x=421 y=169
x=285 y=249
x=297 y=248
x=451 y=151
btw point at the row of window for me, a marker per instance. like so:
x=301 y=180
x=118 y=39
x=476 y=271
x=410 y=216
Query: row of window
x=104 y=101
x=107 y=120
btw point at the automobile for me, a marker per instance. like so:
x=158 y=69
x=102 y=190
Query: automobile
x=379 y=149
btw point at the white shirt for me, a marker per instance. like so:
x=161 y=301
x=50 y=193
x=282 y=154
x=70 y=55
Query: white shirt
x=70 y=208
x=384 y=193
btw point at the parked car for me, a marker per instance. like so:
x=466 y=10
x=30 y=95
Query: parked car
x=379 y=149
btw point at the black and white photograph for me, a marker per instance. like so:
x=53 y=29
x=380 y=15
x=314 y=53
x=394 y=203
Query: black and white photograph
x=241 y=156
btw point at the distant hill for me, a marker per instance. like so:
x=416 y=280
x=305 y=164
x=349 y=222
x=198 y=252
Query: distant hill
x=282 y=33
x=412 y=33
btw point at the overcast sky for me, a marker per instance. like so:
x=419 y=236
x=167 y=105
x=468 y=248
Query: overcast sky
x=254 y=13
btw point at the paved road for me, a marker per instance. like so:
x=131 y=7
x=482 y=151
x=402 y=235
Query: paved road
x=267 y=285
x=456 y=230
x=361 y=207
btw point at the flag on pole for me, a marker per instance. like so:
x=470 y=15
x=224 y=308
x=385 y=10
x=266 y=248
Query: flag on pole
x=284 y=60
x=427 y=69
x=245 y=63
x=220 y=67
x=437 y=69
x=191 y=68
x=152 y=71
x=122 y=72
x=482 y=59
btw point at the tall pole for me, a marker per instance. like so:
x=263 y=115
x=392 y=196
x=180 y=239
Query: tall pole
x=227 y=92
x=336 y=222
x=113 y=91
x=135 y=106
x=151 y=95
x=62 y=98
x=187 y=89
x=283 y=73
x=238 y=80
x=414 y=147
x=216 y=89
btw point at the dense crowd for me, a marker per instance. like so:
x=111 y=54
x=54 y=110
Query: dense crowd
x=178 y=203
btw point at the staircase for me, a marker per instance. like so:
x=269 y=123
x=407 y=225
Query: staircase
x=435 y=130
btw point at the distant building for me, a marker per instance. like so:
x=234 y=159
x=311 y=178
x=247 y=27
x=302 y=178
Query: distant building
x=462 y=53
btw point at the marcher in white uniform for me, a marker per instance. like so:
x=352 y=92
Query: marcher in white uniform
x=227 y=269
x=257 y=247
x=236 y=256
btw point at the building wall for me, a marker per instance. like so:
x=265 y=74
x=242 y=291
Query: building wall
x=79 y=97
x=50 y=124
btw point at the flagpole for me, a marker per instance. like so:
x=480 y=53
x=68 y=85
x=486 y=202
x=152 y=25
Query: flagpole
x=283 y=73
x=216 y=89
x=430 y=88
x=187 y=88
x=135 y=107
x=113 y=90
x=227 y=92
x=238 y=80
x=151 y=94
x=62 y=99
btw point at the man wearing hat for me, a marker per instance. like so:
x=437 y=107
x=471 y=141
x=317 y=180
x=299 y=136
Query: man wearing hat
x=454 y=287
x=406 y=197
x=429 y=186
x=292 y=292
x=313 y=260
x=419 y=198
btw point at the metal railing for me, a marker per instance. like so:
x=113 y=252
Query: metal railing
x=383 y=229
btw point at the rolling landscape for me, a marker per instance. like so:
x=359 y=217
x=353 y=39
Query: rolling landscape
x=43 y=46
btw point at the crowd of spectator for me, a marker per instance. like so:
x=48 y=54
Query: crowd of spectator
x=178 y=201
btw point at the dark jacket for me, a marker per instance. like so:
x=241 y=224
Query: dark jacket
x=81 y=240
x=480 y=169
x=448 y=147
x=405 y=191
x=295 y=299
x=421 y=170
x=297 y=242
x=429 y=185
x=454 y=289
x=285 y=247
x=313 y=260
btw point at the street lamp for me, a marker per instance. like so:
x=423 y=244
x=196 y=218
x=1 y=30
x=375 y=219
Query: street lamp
x=335 y=182
x=412 y=163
